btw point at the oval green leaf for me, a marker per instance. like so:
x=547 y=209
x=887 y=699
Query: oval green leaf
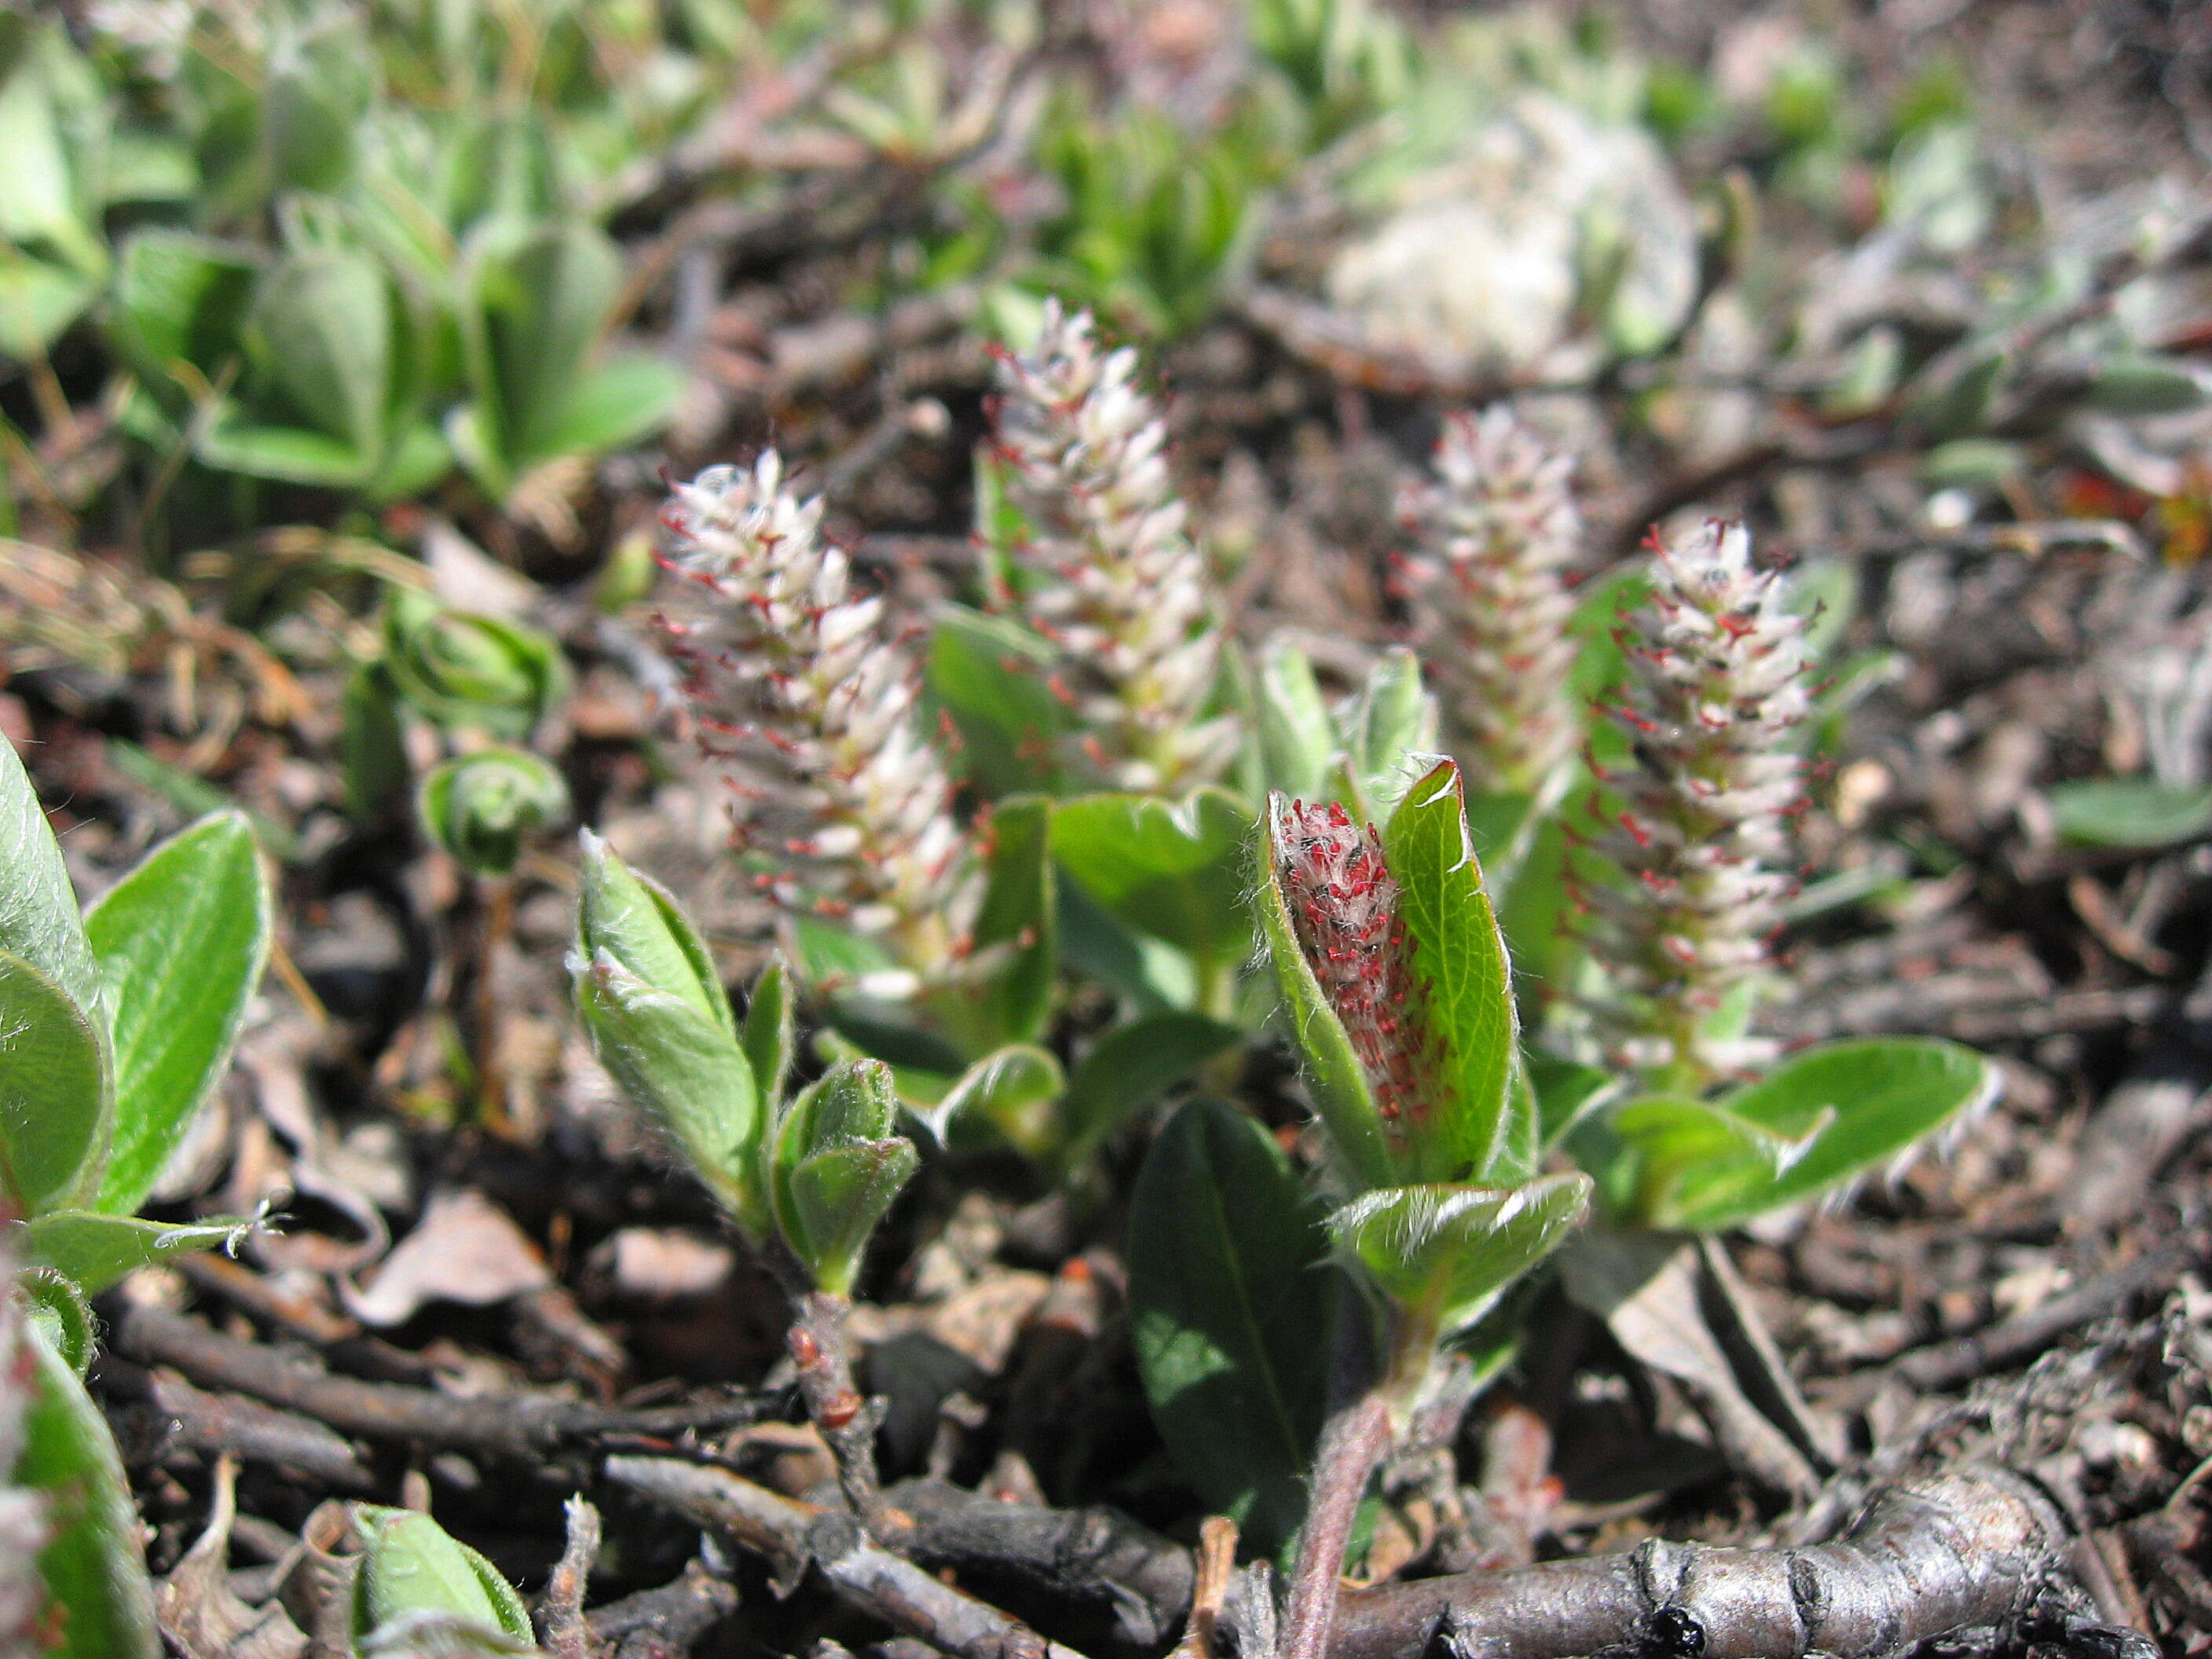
x=94 y=1571
x=1172 y=869
x=1230 y=1307
x=1446 y=1250
x=39 y=919
x=57 y=1093
x=93 y=1250
x=1459 y=951
x=181 y=940
x=1880 y=1095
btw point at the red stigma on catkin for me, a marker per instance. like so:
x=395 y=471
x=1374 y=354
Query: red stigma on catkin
x=1343 y=905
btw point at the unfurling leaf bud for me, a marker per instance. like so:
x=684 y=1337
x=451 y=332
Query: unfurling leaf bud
x=463 y=671
x=656 y=1014
x=840 y=1162
x=421 y=1590
x=482 y=808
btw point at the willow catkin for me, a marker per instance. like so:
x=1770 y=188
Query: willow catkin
x=801 y=687
x=1117 y=582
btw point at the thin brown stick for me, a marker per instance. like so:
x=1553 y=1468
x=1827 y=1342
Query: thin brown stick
x=560 y=1614
x=862 y=1574
x=664 y=1622
x=1947 y=1364
x=521 y=1424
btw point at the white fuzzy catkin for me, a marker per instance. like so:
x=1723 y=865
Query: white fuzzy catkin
x=1496 y=530
x=1717 y=682
x=798 y=686
x=1120 y=586
x=23 y=1513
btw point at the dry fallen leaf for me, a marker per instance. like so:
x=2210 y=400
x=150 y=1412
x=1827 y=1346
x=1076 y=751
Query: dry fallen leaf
x=466 y=1250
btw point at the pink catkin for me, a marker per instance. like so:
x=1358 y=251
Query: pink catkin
x=1344 y=907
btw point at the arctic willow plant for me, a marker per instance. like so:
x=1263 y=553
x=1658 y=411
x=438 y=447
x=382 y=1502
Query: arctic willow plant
x=1109 y=572
x=844 y=806
x=1497 y=529
x=805 y=1175
x=1394 y=970
x=115 y=1027
x=1717 y=684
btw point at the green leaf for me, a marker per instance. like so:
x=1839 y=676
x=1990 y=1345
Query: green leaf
x=1334 y=1077
x=320 y=334
x=1855 y=1104
x=538 y=299
x=62 y=1311
x=770 y=1033
x=312 y=105
x=1175 y=871
x=372 y=744
x=1391 y=721
x=611 y=407
x=1973 y=463
x=1695 y=1144
x=837 y=1197
x=1290 y=725
x=1015 y=1088
x=38 y=300
x=289 y=454
x=1230 y=1306
x=1959 y=405
x=181 y=941
x=57 y=1093
x=465 y=671
x=93 y=1250
x=1460 y=953
x=1446 y=1250
x=484 y=807
x=2130 y=812
x=1130 y=1067
x=93 y=1570
x=993 y=678
x=659 y=1021
x=179 y=298
x=1566 y=1092
x=2147 y=383
x=839 y=1165
x=684 y=1072
x=38 y=197
x=638 y=922
x=39 y=919
x=1017 y=928
x=412 y=1569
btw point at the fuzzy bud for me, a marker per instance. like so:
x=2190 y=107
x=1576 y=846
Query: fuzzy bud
x=1344 y=908
x=801 y=690
x=1122 y=587
x=1496 y=530
x=1717 y=685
